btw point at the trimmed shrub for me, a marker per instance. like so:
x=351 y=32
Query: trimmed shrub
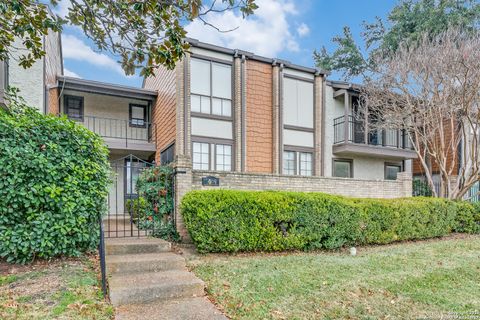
x=54 y=177
x=232 y=221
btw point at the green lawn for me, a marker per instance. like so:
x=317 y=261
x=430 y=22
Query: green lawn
x=59 y=289
x=400 y=281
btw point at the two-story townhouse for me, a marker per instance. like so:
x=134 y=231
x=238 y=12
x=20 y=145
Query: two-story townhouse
x=122 y=116
x=257 y=123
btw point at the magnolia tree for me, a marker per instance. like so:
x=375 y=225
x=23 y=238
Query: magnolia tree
x=432 y=91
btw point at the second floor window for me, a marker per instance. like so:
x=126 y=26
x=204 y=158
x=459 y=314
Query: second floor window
x=298 y=102
x=138 y=115
x=73 y=107
x=211 y=88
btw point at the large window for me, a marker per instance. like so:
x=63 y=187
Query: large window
x=211 y=88
x=300 y=163
x=391 y=171
x=305 y=164
x=298 y=102
x=201 y=156
x=138 y=115
x=289 y=163
x=343 y=168
x=223 y=157
x=73 y=107
x=212 y=156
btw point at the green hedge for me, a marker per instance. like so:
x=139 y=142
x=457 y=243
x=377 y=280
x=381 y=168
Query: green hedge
x=232 y=221
x=54 y=177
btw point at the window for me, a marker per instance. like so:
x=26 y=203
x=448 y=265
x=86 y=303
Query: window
x=211 y=88
x=223 y=155
x=391 y=171
x=167 y=155
x=73 y=107
x=297 y=162
x=289 y=165
x=342 y=168
x=305 y=164
x=201 y=156
x=298 y=103
x=138 y=115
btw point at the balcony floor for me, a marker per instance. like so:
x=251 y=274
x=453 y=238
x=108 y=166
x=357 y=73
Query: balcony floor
x=359 y=149
x=129 y=144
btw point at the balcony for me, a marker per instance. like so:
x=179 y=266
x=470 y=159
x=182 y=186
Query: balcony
x=388 y=144
x=122 y=134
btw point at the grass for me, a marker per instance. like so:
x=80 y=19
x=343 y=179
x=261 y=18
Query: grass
x=59 y=289
x=401 y=281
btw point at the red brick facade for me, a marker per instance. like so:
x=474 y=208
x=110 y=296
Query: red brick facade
x=259 y=117
x=164 y=110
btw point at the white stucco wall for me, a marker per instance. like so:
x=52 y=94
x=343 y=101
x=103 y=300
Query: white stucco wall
x=30 y=81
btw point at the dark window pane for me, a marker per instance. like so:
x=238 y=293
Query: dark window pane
x=342 y=169
x=391 y=172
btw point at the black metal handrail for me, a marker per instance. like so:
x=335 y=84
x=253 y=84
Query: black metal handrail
x=356 y=134
x=118 y=128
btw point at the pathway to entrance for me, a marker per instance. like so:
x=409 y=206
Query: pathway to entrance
x=149 y=281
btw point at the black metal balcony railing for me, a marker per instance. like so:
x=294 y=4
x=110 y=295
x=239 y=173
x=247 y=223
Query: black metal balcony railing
x=356 y=134
x=119 y=128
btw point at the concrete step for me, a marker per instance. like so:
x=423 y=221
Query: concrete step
x=122 y=246
x=154 y=286
x=198 y=308
x=145 y=262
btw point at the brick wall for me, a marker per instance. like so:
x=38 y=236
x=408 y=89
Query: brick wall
x=402 y=187
x=164 y=110
x=259 y=117
x=53 y=101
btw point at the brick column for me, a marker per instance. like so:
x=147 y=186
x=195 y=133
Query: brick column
x=318 y=102
x=183 y=184
x=237 y=112
x=405 y=178
x=183 y=125
x=276 y=118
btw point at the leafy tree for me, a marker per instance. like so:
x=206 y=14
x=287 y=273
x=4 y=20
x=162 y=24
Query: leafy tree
x=406 y=23
x=144 y=33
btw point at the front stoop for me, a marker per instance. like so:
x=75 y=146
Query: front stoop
x=148 y=281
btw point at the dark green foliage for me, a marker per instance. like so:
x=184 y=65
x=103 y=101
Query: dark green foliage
x=54 y=177
x=421 y=189
x=233 y=221
x=154 y=207
x=137 y=208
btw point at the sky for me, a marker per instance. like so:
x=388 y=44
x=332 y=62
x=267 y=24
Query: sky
x=285 y=29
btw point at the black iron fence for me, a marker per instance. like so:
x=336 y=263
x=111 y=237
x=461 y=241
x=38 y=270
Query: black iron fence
x=356 y=134
x=121 y=129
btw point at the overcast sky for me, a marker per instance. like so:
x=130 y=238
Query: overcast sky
x=287 y=29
